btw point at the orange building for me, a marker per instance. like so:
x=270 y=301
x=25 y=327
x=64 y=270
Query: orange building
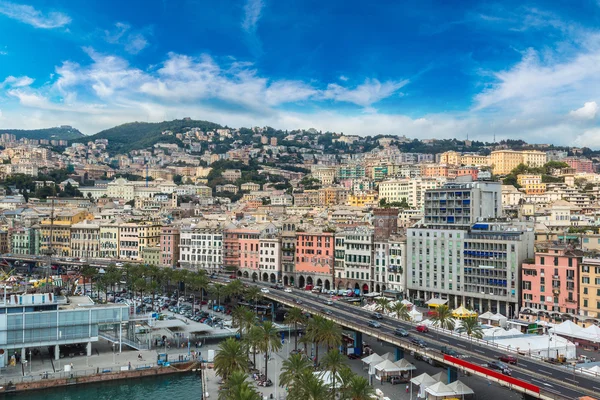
x=314 y=258
x=434 y=170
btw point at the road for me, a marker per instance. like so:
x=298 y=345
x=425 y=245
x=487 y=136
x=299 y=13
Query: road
x=551 y=379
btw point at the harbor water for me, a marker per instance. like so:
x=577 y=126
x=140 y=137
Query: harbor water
x=178 y=386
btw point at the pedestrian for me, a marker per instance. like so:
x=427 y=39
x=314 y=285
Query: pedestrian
x=407 y=388
x=71 y=365
x=129 y=366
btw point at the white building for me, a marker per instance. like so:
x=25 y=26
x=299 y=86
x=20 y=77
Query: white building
x=201 y=245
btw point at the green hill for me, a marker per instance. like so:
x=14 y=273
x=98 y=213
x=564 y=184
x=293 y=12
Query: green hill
x=58 y=133
x=141 y=135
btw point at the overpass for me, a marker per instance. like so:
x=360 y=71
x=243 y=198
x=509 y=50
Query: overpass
x=534 y=378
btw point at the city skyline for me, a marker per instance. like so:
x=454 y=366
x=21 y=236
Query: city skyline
x=513 y=70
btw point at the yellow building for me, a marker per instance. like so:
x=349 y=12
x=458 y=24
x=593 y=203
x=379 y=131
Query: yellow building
x=590 y=288
x=534 y=188
x=450 y=158
x=474 y=159
x=528 y=179
x=60 y=242
x=363 y=199
x=151 y=255
x=504 y=161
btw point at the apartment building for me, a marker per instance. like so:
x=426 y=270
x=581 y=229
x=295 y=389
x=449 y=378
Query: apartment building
x=504 y=161
x=169 y=244
x=551 y=282
x=589 y=290
x=109 y=239
x=56 y=236
x=412 y=190
x=232 y=175
x=85 y=240
x=350 y=171
x=580 y=165
x=288 y=251
x=134 y=236
x=390 y=259
x=325 y=174
x=358 y=254
x=25 y=241
x=201 y=245
x=315 y=250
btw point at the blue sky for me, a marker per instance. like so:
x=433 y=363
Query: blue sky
x=425 y=69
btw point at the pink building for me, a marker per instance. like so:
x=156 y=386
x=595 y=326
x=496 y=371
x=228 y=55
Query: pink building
x=314 y=259
x=243 y=247
x=473 y=171
x=550 y=284
x=580 y=164
x=169 y=246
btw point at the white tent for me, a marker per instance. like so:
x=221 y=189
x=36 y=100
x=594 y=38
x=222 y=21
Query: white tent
x=405 y=365
x=423 y=380
x=486 y=316
x=567 y=328
x=387 y=366
x=593 y=332
x=415 y=315
x=439 y=390
x=540 y=345
x=373 y=358
x=441 y=377
x=327 y=378
x=389 y=356
x=406 y=303
x=460 y=388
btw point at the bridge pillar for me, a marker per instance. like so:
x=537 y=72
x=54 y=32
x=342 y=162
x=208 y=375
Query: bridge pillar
x=89 y=348
x=399 y=353
x=358 y=343
x=452 y=374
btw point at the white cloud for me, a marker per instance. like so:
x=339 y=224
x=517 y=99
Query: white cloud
x=343 y=78
x=366 y=94
x=15 y=82
x=3 y=53
x=133 y=42
x=33 y=17
x=587 y=112
x=252 y=13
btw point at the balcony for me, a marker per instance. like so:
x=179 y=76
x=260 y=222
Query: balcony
x=555 y=277
x=571 y=301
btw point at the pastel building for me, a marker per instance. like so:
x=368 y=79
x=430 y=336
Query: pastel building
x=314 y=258
x=551 y=282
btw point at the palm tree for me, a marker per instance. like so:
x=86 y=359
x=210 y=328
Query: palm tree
x=295 y=316
x=230 y=358
x=345 y=374
x=243 y=319
x=253 y=293
x=443 y=318
x=382 y=305
x=308 y=387
x=88 y=273
x=333 y=362
x=471 y=326
x=312 y=331
x=253 y=339
x=305 y=340
x=234 y=290
x=269 y=342
x=236 y=379
x=292 y=369
x=359 y=388
x=401 y=311
x=330 y=334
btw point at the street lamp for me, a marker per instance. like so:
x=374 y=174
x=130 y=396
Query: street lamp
x=113 y=347
x=30 y=361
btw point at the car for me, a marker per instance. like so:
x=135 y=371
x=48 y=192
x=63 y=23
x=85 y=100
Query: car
x=500 y=366
x=422 y=328
x=298 y=301
x=401 y=332
x=374 y=324
x=227 y=280
x=264 y=290
x=83 y=260
x=508 y=359
x=419 y=342
x=68 y=259
x=325 y=311
x=288 y=290
x=377 y=315
x=449 y=351
x=119 y=264
x=395 y=380
x=329 y=302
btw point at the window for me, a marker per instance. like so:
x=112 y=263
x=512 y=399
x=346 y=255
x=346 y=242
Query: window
x=542 y=261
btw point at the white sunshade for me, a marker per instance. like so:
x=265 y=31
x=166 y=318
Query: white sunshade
x=387 y=366
x=460 y=388
x=424 y=379
x=372 y=358
x=405 y=365
x=436 y=301
x=439 y=390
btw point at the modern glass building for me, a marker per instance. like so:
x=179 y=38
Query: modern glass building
x=45 y=320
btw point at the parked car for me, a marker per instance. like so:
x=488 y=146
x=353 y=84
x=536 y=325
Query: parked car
x=264 y=290
x=377 y=315
x=374 y=324
x=401 y=332
x=500 y=366
x=422 y=328
x=450 y=351
x=508 y=359
x=394 y=380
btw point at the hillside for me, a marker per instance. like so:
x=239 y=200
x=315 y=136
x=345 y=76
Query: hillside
x=140 y=135
x=58 y=133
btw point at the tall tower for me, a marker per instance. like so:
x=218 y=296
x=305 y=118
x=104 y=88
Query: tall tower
x=385 y=221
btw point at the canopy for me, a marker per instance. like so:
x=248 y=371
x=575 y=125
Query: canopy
x=592 y=330
x=436 y=302
x=567 y=328
x=460 y=388
x=373 y=358
x=406 y=302
x=326 y=378
x=405 y=365
x=439 y=390
x=462 y=312
x=415 y=315
x=388 y=356
x=387 y=366
x=441 y=377
x=486 y=315
x=424 y=379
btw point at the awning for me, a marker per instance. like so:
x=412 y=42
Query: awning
x=435 y=302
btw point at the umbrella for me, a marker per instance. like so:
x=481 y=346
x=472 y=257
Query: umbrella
x=460 y=388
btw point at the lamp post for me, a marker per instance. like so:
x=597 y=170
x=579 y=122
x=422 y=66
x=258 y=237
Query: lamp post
x=548 y=353
x=30 y=361
x=113 y=348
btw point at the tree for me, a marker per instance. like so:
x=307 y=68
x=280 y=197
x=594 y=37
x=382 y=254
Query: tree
x=230 y=358
x=269 y=342
x=253 y=339
x=382 y=305
x=295 y=316
x=323 y=331
x=359 y=389
x=88 y=273
x=400 y=310
x=308 y=387
x=471 y=327
x=253 y=293
x=234 y=289
x=235 y=386
x=292 y=369
x=443 y=318
x=333 y=362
